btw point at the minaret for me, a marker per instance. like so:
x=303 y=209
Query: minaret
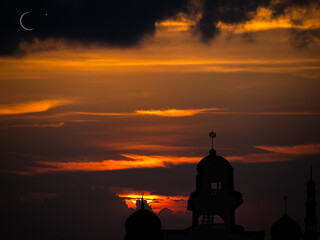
x=215 y=196
x=311 y=204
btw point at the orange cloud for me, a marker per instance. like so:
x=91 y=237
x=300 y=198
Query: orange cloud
x=175 y=112
x=184 y=56
x=136 y=161
x=303 y=149
x=145 y=161
x=162 y=161
x=60 y=124
x=187 y=112
x=103 y=113
x=277 y=153
x=31 y=107
x=263 y=21
x=259 y=158
x=163 y=113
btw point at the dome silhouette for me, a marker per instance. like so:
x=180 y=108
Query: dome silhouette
x=142 y=219
x=285 y=228
x=213 y=161
x=143 y=224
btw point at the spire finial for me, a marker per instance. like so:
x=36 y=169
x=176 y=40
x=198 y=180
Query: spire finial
x=285 y=198
x=212 y=134
x=142 y=203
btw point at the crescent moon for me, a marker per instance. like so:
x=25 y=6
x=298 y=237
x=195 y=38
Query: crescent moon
x=25 y=28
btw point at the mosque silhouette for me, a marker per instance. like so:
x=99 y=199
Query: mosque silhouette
x=215 y=199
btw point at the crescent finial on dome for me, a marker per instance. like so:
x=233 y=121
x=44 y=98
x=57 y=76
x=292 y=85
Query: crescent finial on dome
x=212 y=134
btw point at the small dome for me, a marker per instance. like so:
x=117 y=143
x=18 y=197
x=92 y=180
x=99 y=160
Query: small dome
x=213 y=160
x=142 y=220
x=285 y=228
x=143 y=225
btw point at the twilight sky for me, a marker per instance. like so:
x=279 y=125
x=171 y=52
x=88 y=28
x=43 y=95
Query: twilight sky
x=106 y=100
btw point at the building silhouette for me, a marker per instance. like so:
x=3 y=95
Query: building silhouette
x=213 y=206
x=214 y=198
x=287 y=228
x=143 y=225
x=311 y=207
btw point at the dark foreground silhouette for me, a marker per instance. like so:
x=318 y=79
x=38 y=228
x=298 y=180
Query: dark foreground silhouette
x=213 y=206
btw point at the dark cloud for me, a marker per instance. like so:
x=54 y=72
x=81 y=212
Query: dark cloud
x=304 y=37
x=174 y=220
x=235 y=12
x=230 y=12
x=80 y=213
x=120 y=23
x=286 y=6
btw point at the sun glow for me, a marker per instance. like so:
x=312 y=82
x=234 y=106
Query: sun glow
x=157 y=202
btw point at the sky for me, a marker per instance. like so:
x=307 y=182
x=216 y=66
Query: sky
x=103 y=101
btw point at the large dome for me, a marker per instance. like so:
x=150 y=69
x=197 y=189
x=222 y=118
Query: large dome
x=285 y=228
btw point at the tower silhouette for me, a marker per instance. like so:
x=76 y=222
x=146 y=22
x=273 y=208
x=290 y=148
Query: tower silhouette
x=215 y=195
x=311 y=204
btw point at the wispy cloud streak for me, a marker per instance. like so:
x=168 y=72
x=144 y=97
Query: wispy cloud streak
x=134 y=161
x=39 y=125
x=278 y=153
x=162 y=112
x=31 y=107
x=302 y=149
x=189 y=112
x=176 y=112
